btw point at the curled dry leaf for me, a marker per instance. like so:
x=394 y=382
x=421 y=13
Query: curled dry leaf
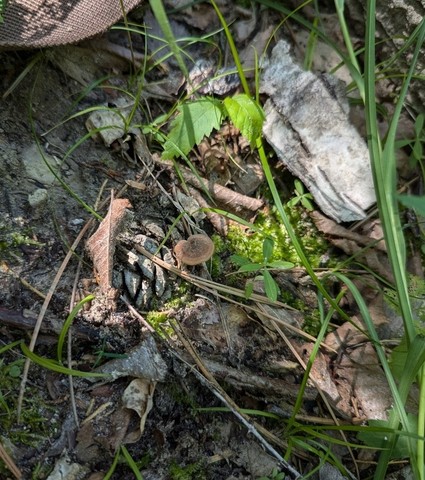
x=101 y=245
x=138 y=397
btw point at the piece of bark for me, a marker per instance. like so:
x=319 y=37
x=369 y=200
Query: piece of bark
x=244 y=379
x=329 y=227
x=26 y=320
x=308 y=126
x=142 y=361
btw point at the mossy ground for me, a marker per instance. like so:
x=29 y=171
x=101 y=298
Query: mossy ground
x=250 y=244
x=188 y=472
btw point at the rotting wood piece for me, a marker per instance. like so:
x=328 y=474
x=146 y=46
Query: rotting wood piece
x=244 y=379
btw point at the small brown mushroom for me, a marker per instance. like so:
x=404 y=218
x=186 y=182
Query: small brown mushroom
x=195 y=250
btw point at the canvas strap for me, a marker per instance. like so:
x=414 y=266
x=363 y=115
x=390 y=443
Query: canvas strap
x=44 y=23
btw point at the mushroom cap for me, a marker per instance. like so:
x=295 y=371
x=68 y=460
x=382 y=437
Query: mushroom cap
x=195 y=250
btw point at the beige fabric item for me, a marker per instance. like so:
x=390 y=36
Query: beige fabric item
x=44 y=23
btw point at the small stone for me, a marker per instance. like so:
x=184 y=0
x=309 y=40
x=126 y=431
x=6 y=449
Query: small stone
x=160 y=281
x=132 y=282
x=145 y=295
x=35 y=165
x=76 y=222
x=38 y=198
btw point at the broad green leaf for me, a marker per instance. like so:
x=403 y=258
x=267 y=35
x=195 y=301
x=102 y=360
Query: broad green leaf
x=299 y=187
x=250 y=267
x=193 y=122
x=246 y=115
x=270 y=286
x=239 y=260
x=413 y=201
x=15 y=371
x=293 y=201
x=268 y=246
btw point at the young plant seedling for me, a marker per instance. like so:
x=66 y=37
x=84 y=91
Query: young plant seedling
x=263 y=269
x=301 y=197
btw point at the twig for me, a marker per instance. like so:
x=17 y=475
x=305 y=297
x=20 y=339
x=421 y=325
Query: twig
x=236 y=201
x=11 y=272
x=217 y=221
x=10 y=464
x=137 y=314
x=46 y=302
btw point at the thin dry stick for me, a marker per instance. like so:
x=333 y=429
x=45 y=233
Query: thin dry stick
x=11 y=272
x=255 y=429
x=10 y=464
x=46 y=304
x=137 y=314
x=262 y=313
x=176 y=204
x=213 y=288
x=217 y=221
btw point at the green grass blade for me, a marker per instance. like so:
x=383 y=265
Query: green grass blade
x=399 y=413
x=233 y=49
x=355 y=74
x=291 y=233
x=325 y=320
x=68 y=323
x=10 y=346
x=158 y=10
x=112 y=468
x=56 y=367
x=339 y=4
x=383 y=164
x=131 y=463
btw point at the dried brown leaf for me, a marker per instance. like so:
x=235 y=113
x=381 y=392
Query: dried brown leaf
x=330 y=227
x=101 y=245
x=366 y=249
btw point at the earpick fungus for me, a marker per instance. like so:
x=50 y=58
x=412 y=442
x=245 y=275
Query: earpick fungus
x=195 y=250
